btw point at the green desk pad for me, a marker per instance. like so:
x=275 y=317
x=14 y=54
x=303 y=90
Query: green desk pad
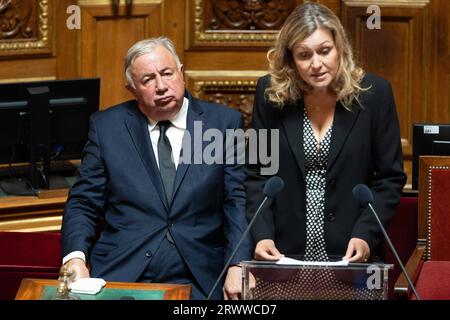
x=49 y=293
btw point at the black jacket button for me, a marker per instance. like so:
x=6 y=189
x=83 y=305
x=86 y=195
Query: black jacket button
x=331 y=217
x=149 y=254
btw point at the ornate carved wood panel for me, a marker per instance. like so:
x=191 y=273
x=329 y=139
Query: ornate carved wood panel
x=235 y=23
x=235 y=89
x=25 y=27
x=246 y=14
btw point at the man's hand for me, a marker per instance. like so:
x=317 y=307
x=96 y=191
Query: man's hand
x=78 y=267
x=232 y=289
x=357 y=251
x=266 y=250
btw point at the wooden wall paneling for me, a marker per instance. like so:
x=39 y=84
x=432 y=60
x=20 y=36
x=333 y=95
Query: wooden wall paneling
x=106 y=36
x=445 y=76
x=226 y=46
x=235 y=89
x=400 y=52
x=173 y=24
x=229 y=60
x=35 y=69
x=334 y=5
x=440 y=62
x=66 y=42
x=412 y=50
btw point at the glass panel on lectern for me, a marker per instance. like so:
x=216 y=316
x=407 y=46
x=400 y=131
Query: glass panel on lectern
x=355 y=281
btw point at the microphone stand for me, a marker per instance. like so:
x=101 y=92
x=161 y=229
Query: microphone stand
x=394 y=252
x=237 y=247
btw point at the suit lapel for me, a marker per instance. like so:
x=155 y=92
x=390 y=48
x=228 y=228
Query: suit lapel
x=342 y=125
x=189 y=142
x=293 y=125
x=137 y=127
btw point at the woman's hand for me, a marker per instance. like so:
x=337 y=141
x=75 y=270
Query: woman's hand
x=266 y=250
x=357 y=251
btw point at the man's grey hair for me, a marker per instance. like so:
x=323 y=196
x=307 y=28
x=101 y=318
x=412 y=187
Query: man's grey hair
x=147 y=46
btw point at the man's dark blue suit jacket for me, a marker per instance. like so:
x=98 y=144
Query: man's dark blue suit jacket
x=120 y=185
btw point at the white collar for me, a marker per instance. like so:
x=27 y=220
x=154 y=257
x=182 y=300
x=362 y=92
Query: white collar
x=179 y=120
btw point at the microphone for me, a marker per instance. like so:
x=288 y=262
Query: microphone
x=362 y=193
x=272 y=188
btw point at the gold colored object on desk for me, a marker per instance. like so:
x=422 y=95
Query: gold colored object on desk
x=63 y=291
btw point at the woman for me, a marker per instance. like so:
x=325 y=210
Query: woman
x=338 y=127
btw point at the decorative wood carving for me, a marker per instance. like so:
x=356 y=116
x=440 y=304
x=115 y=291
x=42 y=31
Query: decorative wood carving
x=235 y=23
x=15 y=19
x=24 y=27
x=234 y=89
x=247 y=14
x=237 y=95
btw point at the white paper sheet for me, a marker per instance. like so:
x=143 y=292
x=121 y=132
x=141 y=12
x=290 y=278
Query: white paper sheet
x=294 y=262
x=87 y=285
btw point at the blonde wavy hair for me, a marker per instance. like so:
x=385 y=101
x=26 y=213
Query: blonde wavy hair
x=286 y=85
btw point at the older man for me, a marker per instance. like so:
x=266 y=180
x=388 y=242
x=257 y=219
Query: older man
x=164 y=220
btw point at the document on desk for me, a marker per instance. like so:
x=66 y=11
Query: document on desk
x=294 y=262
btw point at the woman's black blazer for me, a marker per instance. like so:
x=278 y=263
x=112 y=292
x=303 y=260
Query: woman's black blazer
x=365 y=148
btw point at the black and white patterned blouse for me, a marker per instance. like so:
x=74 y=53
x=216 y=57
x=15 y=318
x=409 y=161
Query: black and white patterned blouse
x=316 y=156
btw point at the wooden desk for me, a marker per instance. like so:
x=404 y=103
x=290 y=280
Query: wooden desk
x=37 y=213
x=32 y=289
x=32 y=214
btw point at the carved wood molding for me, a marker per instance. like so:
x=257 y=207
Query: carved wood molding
x=237 y=95
x=28 y=79
x=24 y=27
x=248 y=14
x=387 y=3
x=234 y=89
x=15 y=20
x=240 y=23
x=120 y=2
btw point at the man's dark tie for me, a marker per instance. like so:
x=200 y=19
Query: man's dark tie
x=166 y=165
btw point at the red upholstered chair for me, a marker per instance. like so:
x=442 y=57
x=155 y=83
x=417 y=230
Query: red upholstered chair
x=27 y=255
x=429 y=265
